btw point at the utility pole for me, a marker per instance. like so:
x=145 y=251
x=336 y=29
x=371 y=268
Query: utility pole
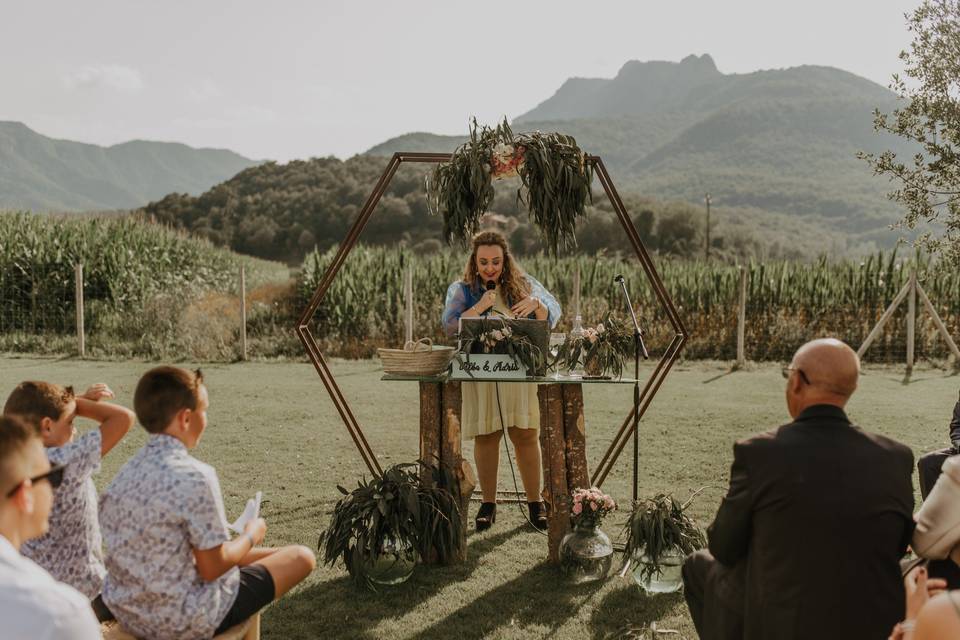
x=706 y=247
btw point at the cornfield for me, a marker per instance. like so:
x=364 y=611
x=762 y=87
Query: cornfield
x=788 y=303
x=137 y=278
x=155 y=293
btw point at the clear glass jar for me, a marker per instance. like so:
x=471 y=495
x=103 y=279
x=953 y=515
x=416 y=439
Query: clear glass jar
x=669 y=579
x=394 y=565
x=586 y=554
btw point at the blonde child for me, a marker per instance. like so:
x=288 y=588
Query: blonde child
x=72 y=548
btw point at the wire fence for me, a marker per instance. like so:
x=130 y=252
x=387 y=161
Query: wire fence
x=56 y=307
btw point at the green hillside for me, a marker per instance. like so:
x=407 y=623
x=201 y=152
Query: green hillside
x=770 y=142
x=283 y=211
x=42 y=174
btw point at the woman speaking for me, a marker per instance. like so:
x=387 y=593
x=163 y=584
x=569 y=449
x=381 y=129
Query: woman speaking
x=494 y=285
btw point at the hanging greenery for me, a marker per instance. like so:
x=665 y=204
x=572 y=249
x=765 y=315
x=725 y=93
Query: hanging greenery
x=553 y=171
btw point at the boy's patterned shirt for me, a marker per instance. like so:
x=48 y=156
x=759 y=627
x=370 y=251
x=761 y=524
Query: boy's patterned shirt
x=163 y=504
x=72 y=549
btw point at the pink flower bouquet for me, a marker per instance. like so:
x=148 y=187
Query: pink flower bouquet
x=590 y=506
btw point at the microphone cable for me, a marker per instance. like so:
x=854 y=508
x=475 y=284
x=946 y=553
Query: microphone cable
x=506 y=446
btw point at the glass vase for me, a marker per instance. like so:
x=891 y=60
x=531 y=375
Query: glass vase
x=668 y=579
x=592 y=368
x=586 y=554
x=393 y=565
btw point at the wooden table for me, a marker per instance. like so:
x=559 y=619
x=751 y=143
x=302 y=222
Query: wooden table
x=562 y=442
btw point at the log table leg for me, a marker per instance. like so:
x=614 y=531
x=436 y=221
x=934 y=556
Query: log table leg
x=450 y=454
x=431 y=402
x=575 y=437
x=440 y=442
x=554 y=466
x=563 y=445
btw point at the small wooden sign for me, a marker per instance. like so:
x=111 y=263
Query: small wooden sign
x=486 y=366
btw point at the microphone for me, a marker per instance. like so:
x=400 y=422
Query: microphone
x=490 y=285
x=637 y=332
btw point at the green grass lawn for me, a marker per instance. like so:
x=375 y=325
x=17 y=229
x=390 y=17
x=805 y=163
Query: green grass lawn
x=273 y=428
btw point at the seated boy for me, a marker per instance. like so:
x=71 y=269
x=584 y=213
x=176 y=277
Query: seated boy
x=32 y=604
x=72 y=548
x=172 y=569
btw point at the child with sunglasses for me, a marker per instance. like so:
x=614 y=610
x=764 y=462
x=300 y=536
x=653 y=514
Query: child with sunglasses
x=32 y=603
x=72 y=548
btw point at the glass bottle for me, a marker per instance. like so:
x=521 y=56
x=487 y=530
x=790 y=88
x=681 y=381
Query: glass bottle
x=576 y=333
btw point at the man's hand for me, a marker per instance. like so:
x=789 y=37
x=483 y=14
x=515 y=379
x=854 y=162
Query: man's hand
x=97 y=392
x=257 y=529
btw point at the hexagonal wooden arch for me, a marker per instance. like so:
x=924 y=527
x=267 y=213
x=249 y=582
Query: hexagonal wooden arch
x=343 y=407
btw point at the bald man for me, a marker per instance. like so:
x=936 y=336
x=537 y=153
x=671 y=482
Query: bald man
x=807 y=541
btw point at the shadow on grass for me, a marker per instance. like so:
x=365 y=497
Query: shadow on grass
x=909 y=377
x=537 y=602
x=721 y=375
x=339 y=608
x=627 y=612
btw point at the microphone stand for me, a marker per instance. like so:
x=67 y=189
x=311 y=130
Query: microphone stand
x=638 y=347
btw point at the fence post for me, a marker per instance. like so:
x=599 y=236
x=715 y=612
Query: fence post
x=78 y=293
x=408 y=305
x=742 y=318
x=243 y=313
x=939 y=324
x=911 y=319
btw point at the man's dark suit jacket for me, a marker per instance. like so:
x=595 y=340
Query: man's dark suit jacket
x=822 y=512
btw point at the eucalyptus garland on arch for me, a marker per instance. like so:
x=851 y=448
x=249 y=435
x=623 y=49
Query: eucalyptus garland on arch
x=555 y=174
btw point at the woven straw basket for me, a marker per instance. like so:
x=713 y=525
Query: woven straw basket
x=420 y=358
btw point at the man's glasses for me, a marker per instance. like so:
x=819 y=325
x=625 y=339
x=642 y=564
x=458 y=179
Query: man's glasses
x=54 y=476
x=786 y=373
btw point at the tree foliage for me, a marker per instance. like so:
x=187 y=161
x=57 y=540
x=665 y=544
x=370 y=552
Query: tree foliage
x=928 y=183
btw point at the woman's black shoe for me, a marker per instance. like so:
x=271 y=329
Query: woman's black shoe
x=486 y=516
x=538 y=515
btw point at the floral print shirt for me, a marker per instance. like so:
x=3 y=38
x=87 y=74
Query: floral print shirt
x=163 y=504
x=72 y=549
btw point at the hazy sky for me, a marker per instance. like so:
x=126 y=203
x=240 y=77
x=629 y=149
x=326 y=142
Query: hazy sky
x=301 y=78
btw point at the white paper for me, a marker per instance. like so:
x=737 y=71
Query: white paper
x=250 y=513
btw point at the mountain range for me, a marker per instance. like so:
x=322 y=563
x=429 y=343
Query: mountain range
x=775 y=149
x=775 y=141
x=43 y=174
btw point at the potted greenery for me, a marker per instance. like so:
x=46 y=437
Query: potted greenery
x=381 y=528
x=555 y=174
x=659 y=536
x=602 y=349
x=496 y=336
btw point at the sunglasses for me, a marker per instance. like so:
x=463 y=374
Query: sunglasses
x=786 y=374
x=54 y=476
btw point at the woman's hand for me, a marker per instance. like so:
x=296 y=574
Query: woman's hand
x=920 y=589
x=486 y=301
x=525 y=307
